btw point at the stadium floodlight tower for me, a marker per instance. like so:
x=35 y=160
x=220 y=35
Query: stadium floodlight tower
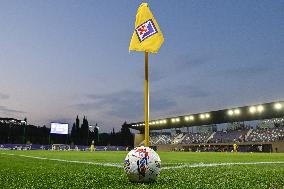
x=93 y=127
x=24 y=123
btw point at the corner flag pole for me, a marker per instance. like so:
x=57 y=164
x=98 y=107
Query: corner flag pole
x=146 y=100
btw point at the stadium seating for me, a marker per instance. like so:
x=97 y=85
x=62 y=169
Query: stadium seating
x=226 y=136
x=229 y=136
x=196 y=138
x=164 y=138
x=266 y=135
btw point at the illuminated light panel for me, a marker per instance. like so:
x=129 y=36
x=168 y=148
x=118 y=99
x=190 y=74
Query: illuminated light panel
x=188 y=118
x=202 y=116
x=164 y=121
x=175 y=120
x=277 y=106
x=207 y=115
x=260 y=108
x=157 y=122
x=230 y=112
x=234 y=112
x=237 y=111
x=252 y=109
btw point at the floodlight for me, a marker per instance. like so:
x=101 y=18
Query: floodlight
x=175 y=120
x=230 y=112
x=191 y=117
x=202 y=116
x=207 y=115
x=260 y=108
x=277 y=106
x=252 y=109
x=186 y=118
x=237 y=111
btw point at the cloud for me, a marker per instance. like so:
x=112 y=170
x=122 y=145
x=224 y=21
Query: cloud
x=250 y=70
x=4 y=96
x=124 y=104
x=112 y=109
x=182 y=64
x=191 y=91
x=187 y=62
x=8 y=111
x=129 y=104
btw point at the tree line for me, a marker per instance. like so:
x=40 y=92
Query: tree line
x=84 y=134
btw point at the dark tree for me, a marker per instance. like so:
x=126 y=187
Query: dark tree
x=126 y=136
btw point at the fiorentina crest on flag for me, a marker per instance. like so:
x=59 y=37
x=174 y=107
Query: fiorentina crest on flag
x=145 y=30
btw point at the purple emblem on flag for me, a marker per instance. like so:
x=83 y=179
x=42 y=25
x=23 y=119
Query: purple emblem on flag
x=145 y=30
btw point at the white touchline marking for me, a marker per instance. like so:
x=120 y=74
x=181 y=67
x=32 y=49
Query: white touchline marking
x=220 y=164
x=179 y=165
x=69 y=161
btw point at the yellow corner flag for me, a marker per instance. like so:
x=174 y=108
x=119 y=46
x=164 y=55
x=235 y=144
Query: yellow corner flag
x=147 y=35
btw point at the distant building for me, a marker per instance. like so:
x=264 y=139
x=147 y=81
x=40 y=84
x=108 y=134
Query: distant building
x=12 y=121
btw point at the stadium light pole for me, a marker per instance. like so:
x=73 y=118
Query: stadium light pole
x=90 y=126
x=25 y=124
x=98 y=128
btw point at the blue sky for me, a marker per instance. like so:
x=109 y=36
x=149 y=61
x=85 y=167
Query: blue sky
x=63 y=58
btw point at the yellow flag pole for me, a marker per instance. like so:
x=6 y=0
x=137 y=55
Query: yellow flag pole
x=146 y=101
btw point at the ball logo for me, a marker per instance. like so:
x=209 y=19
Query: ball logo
x=145 y=30
x=142 y=164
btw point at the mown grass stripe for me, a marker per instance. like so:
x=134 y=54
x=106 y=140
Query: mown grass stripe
x=179 y=165
x=220 y=164
x=68 y=161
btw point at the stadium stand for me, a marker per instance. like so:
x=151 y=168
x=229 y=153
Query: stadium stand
x=238 y=134
x=164 y=138
x=229 y=136
x=196 y=138
x=266 y=135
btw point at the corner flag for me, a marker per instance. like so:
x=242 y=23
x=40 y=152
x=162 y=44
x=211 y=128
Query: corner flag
x=147 y=35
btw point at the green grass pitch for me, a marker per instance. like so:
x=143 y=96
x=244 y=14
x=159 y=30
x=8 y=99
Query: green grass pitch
x=64 y=169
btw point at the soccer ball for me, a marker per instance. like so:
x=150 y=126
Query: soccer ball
x=142 y=164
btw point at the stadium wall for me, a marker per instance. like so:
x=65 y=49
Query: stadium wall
x=278 y=146
x=138 y=139
x=275 y=147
